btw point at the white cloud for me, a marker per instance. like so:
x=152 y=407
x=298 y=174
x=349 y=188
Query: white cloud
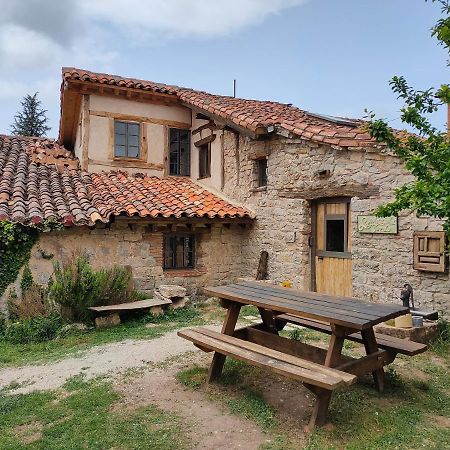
x=37 y=37
x=181 y=18
x=36 y=33
x=23 y=48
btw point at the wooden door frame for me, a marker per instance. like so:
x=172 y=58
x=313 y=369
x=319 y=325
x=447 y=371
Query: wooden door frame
x=313 y=235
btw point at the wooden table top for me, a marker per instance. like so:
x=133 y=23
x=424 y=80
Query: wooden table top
x=349 y=312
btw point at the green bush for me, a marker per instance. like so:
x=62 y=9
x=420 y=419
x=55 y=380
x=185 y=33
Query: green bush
x=76 y=286
x=36 y=329
x=27 y=279
x=2 y=325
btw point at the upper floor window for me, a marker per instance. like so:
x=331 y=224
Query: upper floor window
x=204 y=160
x=179 y=152
x=126 y=139
x=261 y=172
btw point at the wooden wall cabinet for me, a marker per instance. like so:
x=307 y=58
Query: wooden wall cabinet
x=429 y=251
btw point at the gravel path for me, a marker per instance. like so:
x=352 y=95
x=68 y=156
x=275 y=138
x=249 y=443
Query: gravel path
x=102 y=360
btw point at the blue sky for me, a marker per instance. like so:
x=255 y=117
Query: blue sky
x=327 y=56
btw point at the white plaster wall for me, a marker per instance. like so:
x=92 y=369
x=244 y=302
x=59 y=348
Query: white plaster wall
x=101 y=133
x=215 y=180
x=145 y=109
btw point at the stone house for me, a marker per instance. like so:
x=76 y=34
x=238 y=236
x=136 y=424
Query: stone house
x=188 y=187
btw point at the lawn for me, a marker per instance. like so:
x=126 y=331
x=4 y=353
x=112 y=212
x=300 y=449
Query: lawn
x=85 y=415
x=413 y=412
x=144 y=327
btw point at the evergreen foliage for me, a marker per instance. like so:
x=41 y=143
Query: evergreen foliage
x=32 y=119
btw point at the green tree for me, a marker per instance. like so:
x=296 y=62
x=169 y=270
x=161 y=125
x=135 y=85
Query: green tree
x=32 y=119
x=427 y=152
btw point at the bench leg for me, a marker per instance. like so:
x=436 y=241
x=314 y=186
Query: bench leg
x=320 y=410
x=370 y=344
x=215 y=369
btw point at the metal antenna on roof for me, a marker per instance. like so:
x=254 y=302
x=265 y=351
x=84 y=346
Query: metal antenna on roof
x=234 y=88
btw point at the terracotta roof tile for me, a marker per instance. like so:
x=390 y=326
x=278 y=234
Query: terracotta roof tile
x=252 y=115
x=32 y=190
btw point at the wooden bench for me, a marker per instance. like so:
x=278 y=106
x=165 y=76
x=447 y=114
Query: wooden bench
x=109 y=314
x=293 y=367
x=389 y=343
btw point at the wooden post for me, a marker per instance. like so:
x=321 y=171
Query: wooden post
x=323 y=396
x=215 y=369
x=370 y=344
x=268 y=320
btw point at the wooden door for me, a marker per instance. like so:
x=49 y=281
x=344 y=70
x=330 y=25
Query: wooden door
x=332 y=243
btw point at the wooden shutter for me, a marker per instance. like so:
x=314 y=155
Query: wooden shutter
x=429 y=247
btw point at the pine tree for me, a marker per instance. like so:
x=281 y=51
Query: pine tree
x=32 y=119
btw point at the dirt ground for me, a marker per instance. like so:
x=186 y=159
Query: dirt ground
x=212 y=426
x=144 y=372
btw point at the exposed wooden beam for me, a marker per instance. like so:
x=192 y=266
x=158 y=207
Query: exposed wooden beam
x=205 y=140
x=136 y=118
x=260 y=132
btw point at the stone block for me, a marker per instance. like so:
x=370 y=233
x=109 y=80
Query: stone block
x=170 y=291
x=179 y=302
x=107 y=321
x=426 y=334
x=157 y=310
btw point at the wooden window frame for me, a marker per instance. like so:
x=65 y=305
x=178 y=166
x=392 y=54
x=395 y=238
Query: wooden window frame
x=194 y=251
x=202 y=149
x=346 y=254
x=141 y=151
x=427 y=266
x=179 y=153
x=261 y=181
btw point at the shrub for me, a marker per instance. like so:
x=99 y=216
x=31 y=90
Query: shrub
x=34 y=303
x=35 y=329
x=27 y=279
x=76 y=286
x=2 y=325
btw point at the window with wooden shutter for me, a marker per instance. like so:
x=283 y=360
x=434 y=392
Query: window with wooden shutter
x=429 y=251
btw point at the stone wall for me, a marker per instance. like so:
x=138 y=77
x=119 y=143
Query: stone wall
x=218 y=254
x=300 y=171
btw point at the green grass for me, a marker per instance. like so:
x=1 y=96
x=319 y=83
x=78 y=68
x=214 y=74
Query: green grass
x=84 y=416
x=22 y=354
x=413 y=412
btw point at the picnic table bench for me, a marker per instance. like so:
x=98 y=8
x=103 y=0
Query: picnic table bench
x=320 y=370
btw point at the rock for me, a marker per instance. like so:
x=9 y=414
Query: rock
x=73 y=327
x=156 y=310
x=170 y=291
x=179 y=302
x=425 y=335
x=107 y=321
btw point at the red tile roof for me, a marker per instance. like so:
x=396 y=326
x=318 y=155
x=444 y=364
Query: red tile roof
x=254 y=115
x=34 y=188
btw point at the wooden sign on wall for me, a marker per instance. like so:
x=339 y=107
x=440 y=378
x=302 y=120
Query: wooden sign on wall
x=378 y=225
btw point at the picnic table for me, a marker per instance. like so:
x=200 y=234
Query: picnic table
x=321 y=370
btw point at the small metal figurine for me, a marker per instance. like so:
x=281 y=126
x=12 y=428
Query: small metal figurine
x=407 y=295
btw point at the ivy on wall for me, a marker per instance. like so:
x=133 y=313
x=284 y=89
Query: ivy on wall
x=16 y=242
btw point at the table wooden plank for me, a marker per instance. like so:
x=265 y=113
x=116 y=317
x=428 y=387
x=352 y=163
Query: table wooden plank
x=325 y=307
x=282 y=306
x=341 y=302
x=348 y=312
x=375 y=316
